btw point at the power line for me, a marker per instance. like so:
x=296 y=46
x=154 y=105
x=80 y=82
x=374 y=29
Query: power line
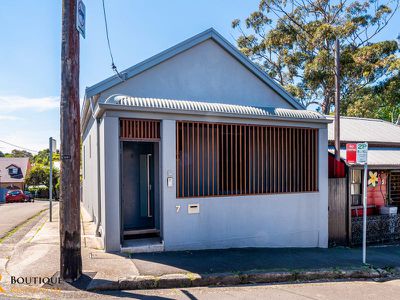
x=23 y=148
x=113 y=66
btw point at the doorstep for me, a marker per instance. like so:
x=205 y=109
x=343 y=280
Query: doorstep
x=143 y=245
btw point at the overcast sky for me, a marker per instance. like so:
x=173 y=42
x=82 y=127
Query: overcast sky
x=30 y=51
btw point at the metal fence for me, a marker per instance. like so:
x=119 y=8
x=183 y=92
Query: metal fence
x=380 y=229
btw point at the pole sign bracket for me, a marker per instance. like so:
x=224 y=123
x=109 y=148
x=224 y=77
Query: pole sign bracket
x=81 y=17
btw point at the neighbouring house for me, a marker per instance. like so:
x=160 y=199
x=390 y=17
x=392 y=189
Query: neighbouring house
x=383 y=194
x=197 y=148
x=13 y=172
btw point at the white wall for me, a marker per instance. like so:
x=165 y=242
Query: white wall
x=110 y=183
x=205 y=72
x=89 y=171
x=285 y=220
x=280 y=220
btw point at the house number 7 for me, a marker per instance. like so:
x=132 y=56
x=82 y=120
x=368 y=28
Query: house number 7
x=178 y=208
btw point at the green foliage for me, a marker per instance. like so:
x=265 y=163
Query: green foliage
x=39 y=191
x=293 y=42
x=18 y=153
x=43 y=157
x=379 y=102
x=40 y=175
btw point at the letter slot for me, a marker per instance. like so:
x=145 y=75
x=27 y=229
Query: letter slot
x=193 y=208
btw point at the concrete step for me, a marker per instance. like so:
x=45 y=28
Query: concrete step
x=143 y=245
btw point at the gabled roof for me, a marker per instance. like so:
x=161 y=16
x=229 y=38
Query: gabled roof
x=19 y=162
x=185 y=45
x=12 y=165
x=207 y=108
x=373 y=131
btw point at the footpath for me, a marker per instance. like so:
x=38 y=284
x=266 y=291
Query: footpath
x=36 y=255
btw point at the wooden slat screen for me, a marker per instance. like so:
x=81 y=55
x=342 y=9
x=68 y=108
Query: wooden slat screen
x=137 y=130
x=234 y=159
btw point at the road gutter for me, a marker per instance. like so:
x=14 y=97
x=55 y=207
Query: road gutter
x=223 y=279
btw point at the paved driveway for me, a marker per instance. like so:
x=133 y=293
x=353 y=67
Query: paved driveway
x=13 y=214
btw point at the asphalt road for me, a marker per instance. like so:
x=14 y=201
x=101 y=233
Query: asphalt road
x=354 y=290
x=13 y=214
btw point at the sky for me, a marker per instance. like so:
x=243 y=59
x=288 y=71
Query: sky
x=30 y=47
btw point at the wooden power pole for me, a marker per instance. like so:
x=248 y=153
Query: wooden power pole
x=337 y=104
x=70 y=229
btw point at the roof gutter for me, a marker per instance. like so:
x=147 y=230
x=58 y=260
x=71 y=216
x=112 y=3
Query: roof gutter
x=101 y=107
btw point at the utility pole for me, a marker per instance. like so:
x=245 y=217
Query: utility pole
x=70 y=229
x=337 y=105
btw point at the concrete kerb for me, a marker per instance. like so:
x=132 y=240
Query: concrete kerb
x=222 y=279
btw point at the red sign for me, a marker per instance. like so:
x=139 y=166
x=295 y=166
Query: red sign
x=351 y=153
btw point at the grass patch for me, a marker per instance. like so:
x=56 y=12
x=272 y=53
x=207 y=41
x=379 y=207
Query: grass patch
x=18 y=227
x=37 y=231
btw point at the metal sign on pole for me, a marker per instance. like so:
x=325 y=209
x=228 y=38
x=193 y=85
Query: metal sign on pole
x=52 y=147
x=362 y=158
x=81 y=18
x=358 y=154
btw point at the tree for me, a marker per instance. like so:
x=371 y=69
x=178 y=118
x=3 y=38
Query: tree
x=40 y=175
x=19 y=153
x=42 y=157
x=379 y=102
x=1 y=154
x=293 y=42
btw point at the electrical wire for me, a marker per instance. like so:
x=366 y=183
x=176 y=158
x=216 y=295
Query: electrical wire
x=23 y=148
x=113 y=66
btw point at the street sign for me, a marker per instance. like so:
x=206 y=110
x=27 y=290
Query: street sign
x=351 y=153
x=362 y=153
x=53 y=144
x=81 y=18
x=358 y=154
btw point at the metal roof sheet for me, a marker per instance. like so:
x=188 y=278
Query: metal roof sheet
x=207 y=107
x=365 y=130
x=378 y=157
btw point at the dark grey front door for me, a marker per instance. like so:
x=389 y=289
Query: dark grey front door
x=138 y=186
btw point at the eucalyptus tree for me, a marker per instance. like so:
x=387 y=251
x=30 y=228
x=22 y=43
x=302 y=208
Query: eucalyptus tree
x=292 y=40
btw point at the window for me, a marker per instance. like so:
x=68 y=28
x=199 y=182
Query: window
x=139 y=130
x=233 y=159
x=355 y=187
x=13 y=171
x=84 y=162
x=395 y=188
x=90 y=146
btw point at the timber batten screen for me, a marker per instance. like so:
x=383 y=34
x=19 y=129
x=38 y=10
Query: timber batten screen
x=139 y=130
x=216 y=159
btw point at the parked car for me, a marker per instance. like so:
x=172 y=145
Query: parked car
x=15 y=196
x=29 y=196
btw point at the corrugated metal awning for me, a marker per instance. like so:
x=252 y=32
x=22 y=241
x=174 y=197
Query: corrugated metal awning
x=365 y=130
x=385 y=158
x=207 y=107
